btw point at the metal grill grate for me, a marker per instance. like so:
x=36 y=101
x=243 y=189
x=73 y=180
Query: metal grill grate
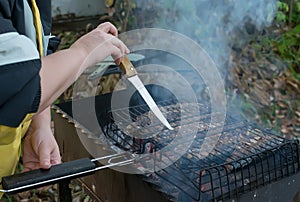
x=245 y=156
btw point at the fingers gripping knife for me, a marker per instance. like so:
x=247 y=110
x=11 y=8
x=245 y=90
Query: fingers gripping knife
x=129 y=70
x=109 y=61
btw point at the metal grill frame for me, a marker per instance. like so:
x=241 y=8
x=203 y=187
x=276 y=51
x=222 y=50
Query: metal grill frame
x=275 y=160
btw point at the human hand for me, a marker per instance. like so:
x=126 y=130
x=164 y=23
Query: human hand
x=61 y=69
x=101 y=43
x=40 y=149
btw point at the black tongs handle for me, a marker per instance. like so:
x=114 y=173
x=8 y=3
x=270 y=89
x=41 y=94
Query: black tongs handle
x=42 y=177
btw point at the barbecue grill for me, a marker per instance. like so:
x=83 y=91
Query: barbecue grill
x=246 y=157
x=243 y=161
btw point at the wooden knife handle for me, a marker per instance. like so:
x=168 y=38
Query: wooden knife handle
x=127 y=67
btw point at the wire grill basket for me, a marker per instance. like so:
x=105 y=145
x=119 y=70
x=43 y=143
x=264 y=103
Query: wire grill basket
x=243 y=158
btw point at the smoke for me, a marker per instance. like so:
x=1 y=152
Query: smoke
x=218 y=26
x=214 y=24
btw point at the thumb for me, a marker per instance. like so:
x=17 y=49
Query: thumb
x=44 y=157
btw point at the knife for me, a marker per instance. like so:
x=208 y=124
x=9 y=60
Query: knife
x=110 y=61
x=129 y=70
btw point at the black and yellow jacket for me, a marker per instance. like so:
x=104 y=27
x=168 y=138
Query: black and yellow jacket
x=20 y=63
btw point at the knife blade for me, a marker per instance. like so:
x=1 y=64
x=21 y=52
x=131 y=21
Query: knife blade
x=129 y=70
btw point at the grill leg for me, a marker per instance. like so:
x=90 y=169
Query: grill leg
x=64 y=191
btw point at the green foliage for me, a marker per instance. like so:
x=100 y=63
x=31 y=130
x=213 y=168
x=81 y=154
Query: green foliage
x=288 y=12
x=7 y=198
x=283 y=9
x=288 y=47
x=296 y=13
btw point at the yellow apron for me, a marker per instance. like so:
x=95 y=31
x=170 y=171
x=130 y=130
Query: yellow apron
x=10 y=138
x=10 y=146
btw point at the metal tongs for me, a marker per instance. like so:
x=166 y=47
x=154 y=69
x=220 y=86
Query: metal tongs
x=65 y=171
x=131 y=74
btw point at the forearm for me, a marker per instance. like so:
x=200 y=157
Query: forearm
x=59 y=71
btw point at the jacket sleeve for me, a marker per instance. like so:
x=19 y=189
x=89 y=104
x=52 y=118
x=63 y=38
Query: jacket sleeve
x=19 y=72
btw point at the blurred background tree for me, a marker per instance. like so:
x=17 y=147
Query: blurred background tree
x=121 y=13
